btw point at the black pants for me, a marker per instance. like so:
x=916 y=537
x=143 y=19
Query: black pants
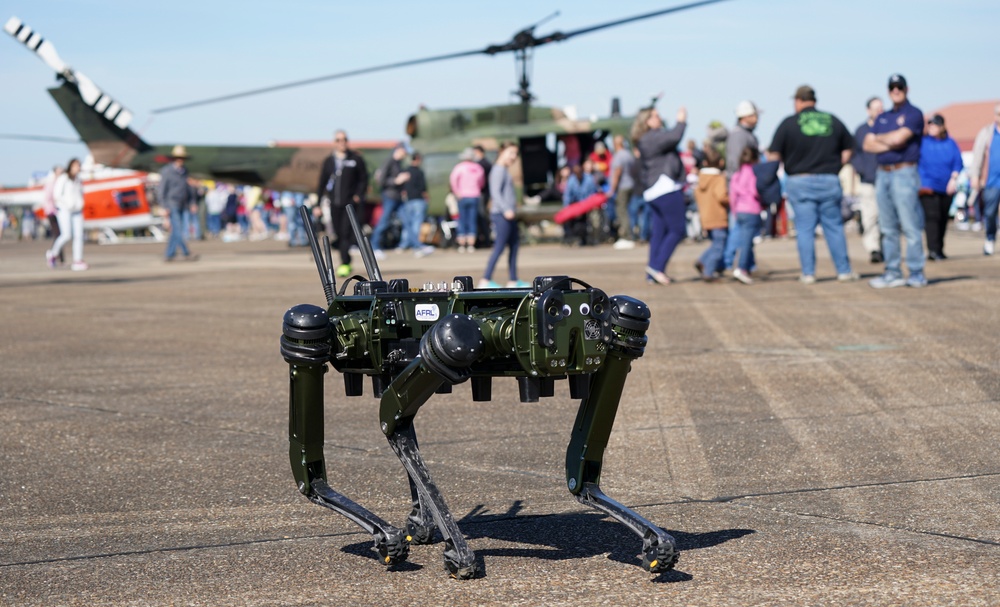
x=936 y=206
x=343 y=231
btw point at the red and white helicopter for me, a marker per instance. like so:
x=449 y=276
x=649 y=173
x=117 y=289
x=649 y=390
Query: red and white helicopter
x=114 y=201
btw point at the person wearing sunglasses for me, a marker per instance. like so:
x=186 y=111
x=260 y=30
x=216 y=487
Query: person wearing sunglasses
x=343 y=181
x=895 y=140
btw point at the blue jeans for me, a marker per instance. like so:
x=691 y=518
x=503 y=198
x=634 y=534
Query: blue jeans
x=638 y=217
x=389 y=207
x=192 y=226
x=468 y=216
x=815 y=199
x=747 y=226
x=214 y=223
x=176 y=239
x=711 y=259
x=507 y=236
x=732 y=244
x=414 y=212
x=667 y=228
x=296 y=231
x=899 y=211
x=991 y=200
x=611 y=210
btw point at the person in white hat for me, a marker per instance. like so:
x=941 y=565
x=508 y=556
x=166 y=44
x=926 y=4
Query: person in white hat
x=739 y=138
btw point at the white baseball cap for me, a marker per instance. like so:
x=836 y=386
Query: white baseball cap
x=746 y=108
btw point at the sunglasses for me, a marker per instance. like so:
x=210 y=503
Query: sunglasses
x=897 y=87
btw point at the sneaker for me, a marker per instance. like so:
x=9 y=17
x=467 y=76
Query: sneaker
x=916 y=280
x=963 y=226
x=807 y=279
x=887 y=281
x=988 y=247
x=849 y=277
x=656 y=277
x=742 y=276
x=343 y=270
x=517 y=284
x=79 y=266
x=488 y=284
x=50 y=259
x=379 y=254
x=423 y=251
x=977 y=226
x=623 y=244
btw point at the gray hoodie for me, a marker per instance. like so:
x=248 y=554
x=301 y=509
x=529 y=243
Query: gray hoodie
x=658 y=154
x=502 y=193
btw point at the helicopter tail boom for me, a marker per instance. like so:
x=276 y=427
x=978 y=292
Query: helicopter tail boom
x=101 y=121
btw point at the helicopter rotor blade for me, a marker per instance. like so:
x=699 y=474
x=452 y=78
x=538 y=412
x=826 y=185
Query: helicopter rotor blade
x=560 y=36
x=45 y=138
x=521 y=41
x=288 y=85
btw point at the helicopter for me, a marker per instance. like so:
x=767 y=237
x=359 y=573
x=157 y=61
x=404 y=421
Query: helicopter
x=542 y=132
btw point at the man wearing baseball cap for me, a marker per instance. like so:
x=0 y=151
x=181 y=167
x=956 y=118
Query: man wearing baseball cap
x=814 y=146
x=895 y=139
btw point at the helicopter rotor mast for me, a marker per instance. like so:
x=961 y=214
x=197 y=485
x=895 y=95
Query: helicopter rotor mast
x=521 y=45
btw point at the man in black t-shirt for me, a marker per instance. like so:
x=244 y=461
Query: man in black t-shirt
x=813 y=146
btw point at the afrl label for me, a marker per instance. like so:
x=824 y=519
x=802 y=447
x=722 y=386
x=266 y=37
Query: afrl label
x=427 y=312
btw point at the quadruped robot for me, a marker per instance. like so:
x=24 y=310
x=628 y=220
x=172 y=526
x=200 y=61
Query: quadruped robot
x=414 y=343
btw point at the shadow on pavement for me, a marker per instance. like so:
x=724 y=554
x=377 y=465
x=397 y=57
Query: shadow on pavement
x=556 y=537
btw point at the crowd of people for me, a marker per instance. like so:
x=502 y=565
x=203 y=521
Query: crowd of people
x=904 y=174
x=903 y=177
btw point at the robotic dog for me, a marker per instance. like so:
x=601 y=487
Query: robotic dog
x=414 y=343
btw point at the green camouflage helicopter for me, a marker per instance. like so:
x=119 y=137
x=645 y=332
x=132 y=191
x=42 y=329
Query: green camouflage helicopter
x=103 y=125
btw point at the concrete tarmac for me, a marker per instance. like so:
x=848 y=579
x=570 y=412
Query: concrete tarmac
x=806 y=445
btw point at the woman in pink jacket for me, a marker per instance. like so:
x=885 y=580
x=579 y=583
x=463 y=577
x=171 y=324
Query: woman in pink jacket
x=467 y=180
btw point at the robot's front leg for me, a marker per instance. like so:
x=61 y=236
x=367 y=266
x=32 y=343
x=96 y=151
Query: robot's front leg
x=585 y=455
x=420 y=523
x=305 y=346
x=446 y=351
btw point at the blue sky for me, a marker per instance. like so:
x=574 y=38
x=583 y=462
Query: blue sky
x=151 y=55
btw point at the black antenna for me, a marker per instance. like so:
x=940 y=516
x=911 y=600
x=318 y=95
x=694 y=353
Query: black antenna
x=325 y=275
x=367 y=255
x=329 y=262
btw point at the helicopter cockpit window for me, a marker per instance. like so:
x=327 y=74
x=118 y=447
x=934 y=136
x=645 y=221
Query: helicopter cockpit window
x=411 y=126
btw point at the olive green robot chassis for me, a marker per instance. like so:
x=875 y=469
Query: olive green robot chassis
x=415 y=343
